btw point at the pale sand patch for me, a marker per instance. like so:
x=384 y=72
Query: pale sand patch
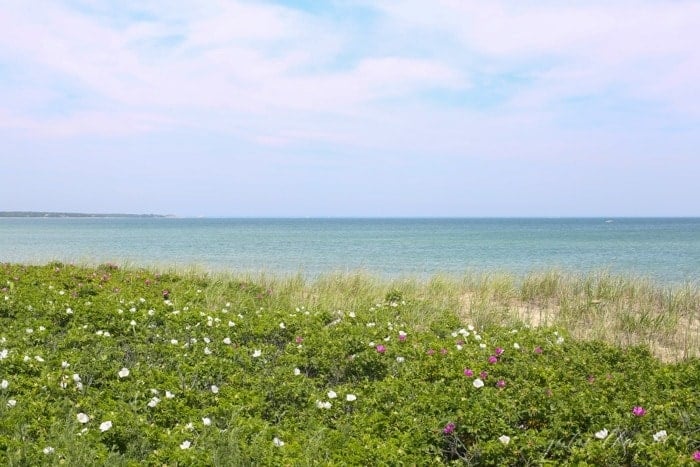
x=531 y=314
x=602 y=322
x=535 y=315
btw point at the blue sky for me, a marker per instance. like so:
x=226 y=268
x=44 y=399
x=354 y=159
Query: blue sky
x=351 y=108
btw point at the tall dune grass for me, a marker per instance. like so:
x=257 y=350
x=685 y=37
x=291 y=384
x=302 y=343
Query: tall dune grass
x=621 y=310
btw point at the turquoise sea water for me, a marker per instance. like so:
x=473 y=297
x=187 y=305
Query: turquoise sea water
x=667 y=250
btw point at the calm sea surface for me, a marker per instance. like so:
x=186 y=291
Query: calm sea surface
x=667 y=250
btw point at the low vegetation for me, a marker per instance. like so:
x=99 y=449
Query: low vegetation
x=107 y=365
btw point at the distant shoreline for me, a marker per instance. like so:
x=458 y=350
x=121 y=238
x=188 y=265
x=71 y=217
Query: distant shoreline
x=42 y=214
x=606 y=219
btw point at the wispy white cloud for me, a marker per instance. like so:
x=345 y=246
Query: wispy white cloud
x=227 y=57
x=411 y=78
x=644 y=50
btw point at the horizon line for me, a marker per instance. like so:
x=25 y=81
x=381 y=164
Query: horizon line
x=74 y=214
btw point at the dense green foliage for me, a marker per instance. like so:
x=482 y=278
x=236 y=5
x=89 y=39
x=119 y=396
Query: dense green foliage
x=114 y=366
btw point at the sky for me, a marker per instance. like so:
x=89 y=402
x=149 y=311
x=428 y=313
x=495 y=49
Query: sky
x=400 y=108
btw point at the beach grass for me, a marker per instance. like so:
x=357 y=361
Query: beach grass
x=115 y=365
x=620 y=310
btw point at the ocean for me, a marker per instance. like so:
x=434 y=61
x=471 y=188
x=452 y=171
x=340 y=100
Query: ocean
x=666 y=250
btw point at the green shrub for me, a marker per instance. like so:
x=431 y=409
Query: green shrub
x=228 y=371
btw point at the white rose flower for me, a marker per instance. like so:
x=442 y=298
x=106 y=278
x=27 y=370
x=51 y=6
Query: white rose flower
x=153 y=402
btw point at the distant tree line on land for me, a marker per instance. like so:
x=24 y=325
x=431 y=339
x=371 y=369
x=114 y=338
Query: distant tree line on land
x=69 y=214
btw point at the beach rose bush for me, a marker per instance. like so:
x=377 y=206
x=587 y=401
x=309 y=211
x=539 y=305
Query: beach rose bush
x=228 y=371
